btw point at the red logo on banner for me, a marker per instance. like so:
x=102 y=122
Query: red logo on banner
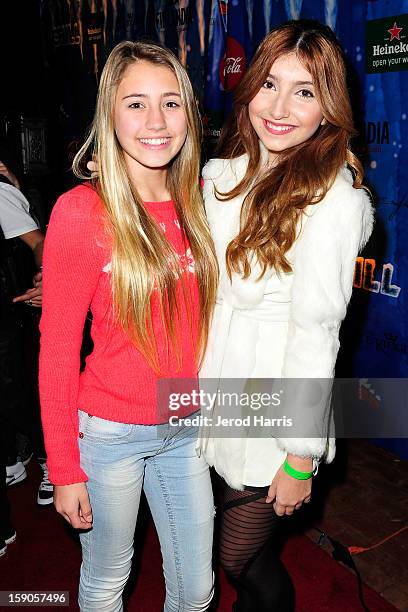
x=395 y=32
x=233 y=64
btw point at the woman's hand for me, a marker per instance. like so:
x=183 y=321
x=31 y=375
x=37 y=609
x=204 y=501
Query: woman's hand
x=72 y=501
x=288 y=492
x=33 y=297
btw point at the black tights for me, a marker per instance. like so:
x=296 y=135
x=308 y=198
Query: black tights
x=249 y=553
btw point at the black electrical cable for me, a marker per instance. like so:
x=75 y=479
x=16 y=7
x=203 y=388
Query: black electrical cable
x=342 y=554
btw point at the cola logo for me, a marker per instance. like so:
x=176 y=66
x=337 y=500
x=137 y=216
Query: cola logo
x=233 y=64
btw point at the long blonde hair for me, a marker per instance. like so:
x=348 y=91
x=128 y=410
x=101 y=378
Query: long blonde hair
x=142 y=258
x=302 y=174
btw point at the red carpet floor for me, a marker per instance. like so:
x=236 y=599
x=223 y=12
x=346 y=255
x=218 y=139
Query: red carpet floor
x=46 y=556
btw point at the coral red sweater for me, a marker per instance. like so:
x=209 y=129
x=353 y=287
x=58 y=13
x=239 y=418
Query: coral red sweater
x=117 y=384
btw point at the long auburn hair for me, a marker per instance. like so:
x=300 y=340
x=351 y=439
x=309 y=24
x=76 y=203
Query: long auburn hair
x=303 y=174
x=142 y=258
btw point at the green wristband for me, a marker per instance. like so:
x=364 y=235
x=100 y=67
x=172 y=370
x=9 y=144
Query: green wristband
x=296 y=473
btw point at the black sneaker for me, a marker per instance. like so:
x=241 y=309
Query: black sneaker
x=15 y=473
x=45 y=493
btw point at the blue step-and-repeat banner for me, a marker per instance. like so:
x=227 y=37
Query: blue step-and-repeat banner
x=215 y=39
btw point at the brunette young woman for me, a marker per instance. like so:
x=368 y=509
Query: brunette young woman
x=288 y=215
x=134 y=247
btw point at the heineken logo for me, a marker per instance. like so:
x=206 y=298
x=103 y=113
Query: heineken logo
x=233 y=64
x=387 y=44
x=395 y=31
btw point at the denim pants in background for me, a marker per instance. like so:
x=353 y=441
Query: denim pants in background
x=120 y=459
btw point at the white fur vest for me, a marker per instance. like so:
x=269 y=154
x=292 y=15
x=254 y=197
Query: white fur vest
x=282 y=326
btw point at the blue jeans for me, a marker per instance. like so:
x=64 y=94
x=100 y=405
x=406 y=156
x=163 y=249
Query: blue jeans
x=120 y=459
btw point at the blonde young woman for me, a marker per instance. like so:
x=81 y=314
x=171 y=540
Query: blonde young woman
x=134 y=247
x=288 y=215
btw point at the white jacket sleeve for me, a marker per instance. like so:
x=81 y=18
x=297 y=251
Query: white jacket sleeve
x=323 y=268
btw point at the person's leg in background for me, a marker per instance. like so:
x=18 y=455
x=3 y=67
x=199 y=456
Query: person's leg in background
x=11 y=390
x=7 y=531
x=179 y=493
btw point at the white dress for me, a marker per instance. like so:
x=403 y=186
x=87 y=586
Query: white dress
x=282 y=326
